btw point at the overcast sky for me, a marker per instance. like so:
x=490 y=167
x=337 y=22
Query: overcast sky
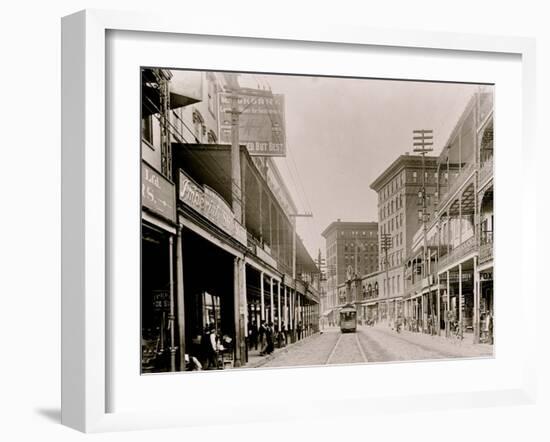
x=342 y=133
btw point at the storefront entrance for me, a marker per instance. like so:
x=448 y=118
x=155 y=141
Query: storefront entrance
x=486 y=307
x=155 y=300
x=208 y=275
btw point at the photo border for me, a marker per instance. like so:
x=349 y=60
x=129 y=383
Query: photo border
x=85 y=202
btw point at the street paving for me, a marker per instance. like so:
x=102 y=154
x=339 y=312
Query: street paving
x=372 y=344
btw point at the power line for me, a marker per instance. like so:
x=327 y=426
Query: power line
x=179 y=137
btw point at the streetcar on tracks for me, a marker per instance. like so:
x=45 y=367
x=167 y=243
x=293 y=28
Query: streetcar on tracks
x=348 y=318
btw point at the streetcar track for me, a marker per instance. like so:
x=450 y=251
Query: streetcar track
x=359 y=346
x=330 y=356
x=363 y=355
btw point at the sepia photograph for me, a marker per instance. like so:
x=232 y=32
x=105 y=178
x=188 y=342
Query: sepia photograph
x=296 y=221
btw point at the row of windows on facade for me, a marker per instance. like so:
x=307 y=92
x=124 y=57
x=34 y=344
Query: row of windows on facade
x=396 y=241
x=392 y=284
x=394 y=287
x=373 y=246
x=396 y=204
x=392 y=224
x=369 y=260
x=345 y=233
x=391 y=206
x=394 y=259
x=396 y=184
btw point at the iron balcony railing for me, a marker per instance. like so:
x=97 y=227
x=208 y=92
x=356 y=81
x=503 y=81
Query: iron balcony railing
x=486 y=171
x=486 y=247
x=456 y=184
x=458 y=252
x=414 y=287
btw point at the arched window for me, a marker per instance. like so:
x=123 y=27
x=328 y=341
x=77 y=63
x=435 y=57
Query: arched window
x=198 y=125
x=211 y=137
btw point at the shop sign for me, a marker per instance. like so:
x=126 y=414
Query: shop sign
x=453 y=277
x=261 y=121
x=207 y=202
x=212 y=206
x=157 y=193
x=486 y=276
x=161 y=301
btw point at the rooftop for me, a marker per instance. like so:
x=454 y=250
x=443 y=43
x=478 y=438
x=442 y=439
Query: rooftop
x=339 y=224
x=402 y=162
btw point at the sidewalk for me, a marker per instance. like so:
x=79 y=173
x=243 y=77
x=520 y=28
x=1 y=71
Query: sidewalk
x=255 y=360
x=448 y=344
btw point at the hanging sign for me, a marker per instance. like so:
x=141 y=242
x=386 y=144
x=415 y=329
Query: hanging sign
x=161 y=301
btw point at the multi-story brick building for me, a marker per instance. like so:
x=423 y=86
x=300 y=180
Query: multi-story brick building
x=351 y=248
x=399 y=217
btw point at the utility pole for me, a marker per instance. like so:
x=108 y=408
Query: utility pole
x=322 y=294
x=423 y=144
x=386 y=242
x=239 y=278
x=236 y=194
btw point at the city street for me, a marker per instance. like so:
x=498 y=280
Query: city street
x=371 y=344
x=245 y=240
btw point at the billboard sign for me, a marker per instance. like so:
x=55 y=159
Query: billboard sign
x=261 y=121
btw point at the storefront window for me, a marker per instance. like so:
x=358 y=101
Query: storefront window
x=211 y=310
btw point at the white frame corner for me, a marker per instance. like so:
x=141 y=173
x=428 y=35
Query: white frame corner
x=84 y=200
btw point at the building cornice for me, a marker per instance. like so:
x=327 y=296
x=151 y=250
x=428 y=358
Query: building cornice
x=402 y=162
x=367 y=225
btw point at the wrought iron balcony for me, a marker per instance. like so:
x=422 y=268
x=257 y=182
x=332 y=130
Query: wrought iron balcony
x=414 y=287
x=458 y=252
x=460 y=181
x=486 y=248
x=485 y=171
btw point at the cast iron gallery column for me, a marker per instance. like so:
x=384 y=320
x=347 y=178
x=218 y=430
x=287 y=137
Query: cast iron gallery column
x=272 y=307
x=239 y=304
x=262 y=306
x=180 y=305
x=279 y=305
x=172 y=317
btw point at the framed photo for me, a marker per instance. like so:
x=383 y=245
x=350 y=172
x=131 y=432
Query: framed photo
x=194 y=157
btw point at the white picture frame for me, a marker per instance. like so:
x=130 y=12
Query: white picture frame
x=86 y=211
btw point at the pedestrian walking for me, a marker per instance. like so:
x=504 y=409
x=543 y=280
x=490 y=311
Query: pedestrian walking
x=489 y=325
x=299 y=330
x=211 y=348
x=261 y=333
x=268 y=347
x=253 y=335
x=283 y=332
